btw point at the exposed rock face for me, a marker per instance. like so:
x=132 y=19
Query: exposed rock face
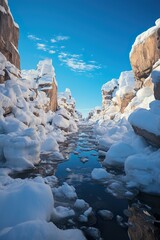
x=145 y=52
x=9 y=34
x=125 y=100
x=152 y=138
x=44 y=79
x=141 y=226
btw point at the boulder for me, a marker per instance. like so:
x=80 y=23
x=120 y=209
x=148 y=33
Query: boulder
x=141 y=225
x=145 y=53
x=9 y=34
x=152 y=138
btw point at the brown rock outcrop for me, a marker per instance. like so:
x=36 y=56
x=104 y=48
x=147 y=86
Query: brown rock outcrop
x=142 y=226
x=125 y=100
x=52 y=94
x=150 y=137
x=9 y=34
x=145 y=54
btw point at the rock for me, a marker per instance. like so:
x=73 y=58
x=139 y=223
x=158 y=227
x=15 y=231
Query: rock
x=125 y=100
x=141 y=226
x=145 y=52
x=9 y=34
x=150 y=137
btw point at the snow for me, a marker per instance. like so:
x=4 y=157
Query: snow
x=100 y=174
x=143 y=171
x=80 y=204
x=2 y=9
x=157 y=22
x=118 y=153
x=138 y=119
x=61 y=212
x=143 y=36
x=60 y=122
x=126 y=83
x=65 y=191
x=27 y=200
x=39 y=229
x=110 y=86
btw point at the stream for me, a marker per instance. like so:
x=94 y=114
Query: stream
x=136 y=215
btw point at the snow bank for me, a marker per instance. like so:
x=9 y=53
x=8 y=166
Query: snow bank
x=138 y=118
x=118 y=153
x=143 y=171
x=40 y=230
x=26 y=128
x=25 y=200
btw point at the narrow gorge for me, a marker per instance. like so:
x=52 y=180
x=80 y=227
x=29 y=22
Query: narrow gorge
x=68 y=177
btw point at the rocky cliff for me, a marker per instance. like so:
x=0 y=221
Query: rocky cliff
x=145 y=53
x=9 y=34
x=42 y=79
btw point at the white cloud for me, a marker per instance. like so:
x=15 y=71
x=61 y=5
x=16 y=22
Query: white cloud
x=33 y=37
x=75 y=63
x=53 y=40
x=62 y=38
x=52 y=51
x=41 y=46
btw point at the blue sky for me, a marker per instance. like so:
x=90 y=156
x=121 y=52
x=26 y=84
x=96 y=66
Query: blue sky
x=88 y=40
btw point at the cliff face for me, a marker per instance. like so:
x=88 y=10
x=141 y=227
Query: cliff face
x=145 y=53
x=9 y=34
x=44 y=79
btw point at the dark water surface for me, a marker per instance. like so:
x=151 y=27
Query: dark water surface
x=81 y=153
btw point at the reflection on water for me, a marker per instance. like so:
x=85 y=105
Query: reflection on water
x=130 y=209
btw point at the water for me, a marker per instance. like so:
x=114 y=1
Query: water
x=81 y=153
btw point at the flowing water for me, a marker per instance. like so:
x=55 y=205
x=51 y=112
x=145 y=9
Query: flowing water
x=81 y=157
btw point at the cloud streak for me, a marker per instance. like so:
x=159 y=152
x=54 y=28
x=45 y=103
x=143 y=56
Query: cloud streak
x=33 y=37
x=41 y=46
x=76 y=63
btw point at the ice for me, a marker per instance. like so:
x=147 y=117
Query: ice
x=61 y=212
x=100 y=174
x=39 y=229
x=93 y=232
x=68 y=170
x=106 y=214
x=84 y=159
x=2 y=9
x=80 y=204
x=66 y=191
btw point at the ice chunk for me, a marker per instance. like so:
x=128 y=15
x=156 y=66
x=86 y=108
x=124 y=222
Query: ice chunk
x=100 y=174
x=106 y=214
x=65 y=191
